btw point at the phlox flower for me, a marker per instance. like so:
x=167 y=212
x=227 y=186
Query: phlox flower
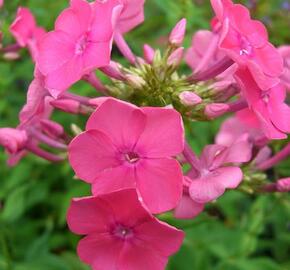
x=267 y=109
x=126 y=146
x=80 y=43
x=246 y=42
x=120 y=233
x=212 y=175
x=26 y=31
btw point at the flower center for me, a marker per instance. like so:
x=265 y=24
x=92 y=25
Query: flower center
x=81 y=45
x=123 y=232
x=132 y=157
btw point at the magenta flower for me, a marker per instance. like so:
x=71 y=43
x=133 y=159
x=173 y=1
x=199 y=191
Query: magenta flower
x=121 y=233
x=125 y=146
x=246 y=42
x=80 y=43
x=210 y=177
x=131 y=15
x=26 y=31
x=267 y=109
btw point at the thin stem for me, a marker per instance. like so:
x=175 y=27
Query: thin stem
x=238 y=105
x=190 y=156
x=124 y=48
x=47 y=140
x=11 y=48
x=283 y=154
x=93 y=80
x=81 y=99
x=43 y=154
x=213 y=71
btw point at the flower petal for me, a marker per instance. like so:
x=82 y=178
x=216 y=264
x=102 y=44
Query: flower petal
x=163 y=135
x=91 y=153
x=160 y=183
x=187 y=208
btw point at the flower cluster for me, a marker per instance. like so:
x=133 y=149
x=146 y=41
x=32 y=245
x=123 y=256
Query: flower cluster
x=133 y=151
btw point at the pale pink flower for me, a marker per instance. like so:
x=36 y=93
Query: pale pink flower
x=126 y=146
x=267 y=109
x=26 y=31
x=131 y=15
x=80 y=43
x=211 y=177
x=120 y=233
x=285 y=53
x=246 y=42
x=1 y=3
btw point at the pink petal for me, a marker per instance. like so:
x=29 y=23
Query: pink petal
x=160 y=237
x=163 y=135
x=213 y=156
x=62 y=78
x=114 y=179
x=55 y=49
x=75 y=20
x=23 y=26
x=91 y=153
x=270 y=60
x=121 y=121
x=140 y=257
x=187 y=208
x=96 y=55
x=160 y=183
x=102 y=251
x=89 y=215
x=213 y=185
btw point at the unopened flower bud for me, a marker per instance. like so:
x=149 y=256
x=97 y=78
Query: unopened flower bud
x=67 y=105
x=177 y=34
x=189 y=98
x=215 y=110
x=149 y=53
x=13 y=139
x=176 y=57
x=283 y=185
x=135 y=80
x=113 y=70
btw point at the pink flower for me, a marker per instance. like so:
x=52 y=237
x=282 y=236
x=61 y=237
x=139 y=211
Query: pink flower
x=267 y=109
x=80 y=43
x=131 y=15
x=121 y=233
x=1 y=3
x=210 y=177
x=178 y=33
x=126 y=146
x=246 y=42
x=26 y=31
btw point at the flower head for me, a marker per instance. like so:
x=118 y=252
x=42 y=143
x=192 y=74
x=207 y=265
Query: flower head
x=126 y=146
x=121 y=233
x=246 y=42
x=80 y=42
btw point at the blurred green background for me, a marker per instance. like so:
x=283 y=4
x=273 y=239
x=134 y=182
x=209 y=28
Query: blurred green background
x=238 y=232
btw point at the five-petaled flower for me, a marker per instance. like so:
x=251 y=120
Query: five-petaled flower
x=121 y=233
x=126 y=146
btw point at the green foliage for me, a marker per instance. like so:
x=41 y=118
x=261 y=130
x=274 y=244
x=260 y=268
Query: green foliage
x=238 y=232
